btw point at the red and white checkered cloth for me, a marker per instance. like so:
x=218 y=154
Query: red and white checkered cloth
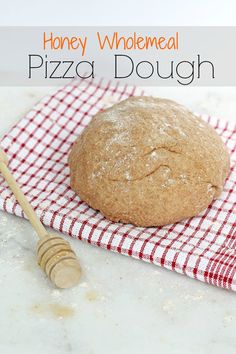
x=202 y=247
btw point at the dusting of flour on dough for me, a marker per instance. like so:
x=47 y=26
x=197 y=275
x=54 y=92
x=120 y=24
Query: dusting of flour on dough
x=148 y=161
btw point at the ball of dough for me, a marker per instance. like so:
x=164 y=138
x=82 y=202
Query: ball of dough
x=149 y=162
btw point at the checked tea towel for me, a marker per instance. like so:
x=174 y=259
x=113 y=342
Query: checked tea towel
x=203 y=247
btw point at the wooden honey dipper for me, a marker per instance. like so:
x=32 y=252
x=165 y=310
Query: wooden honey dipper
x=55 y=255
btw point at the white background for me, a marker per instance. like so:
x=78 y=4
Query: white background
x=125 y=12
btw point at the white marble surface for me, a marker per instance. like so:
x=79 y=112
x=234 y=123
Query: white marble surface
x=122 y=306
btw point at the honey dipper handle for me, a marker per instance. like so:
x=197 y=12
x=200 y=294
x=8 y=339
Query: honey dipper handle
x=20 y=197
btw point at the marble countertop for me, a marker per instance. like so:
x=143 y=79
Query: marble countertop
x=121 y=306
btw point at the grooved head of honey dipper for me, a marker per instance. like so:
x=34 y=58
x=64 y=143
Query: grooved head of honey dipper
x=58 y=261
x=66 y=273
x=3 y=157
